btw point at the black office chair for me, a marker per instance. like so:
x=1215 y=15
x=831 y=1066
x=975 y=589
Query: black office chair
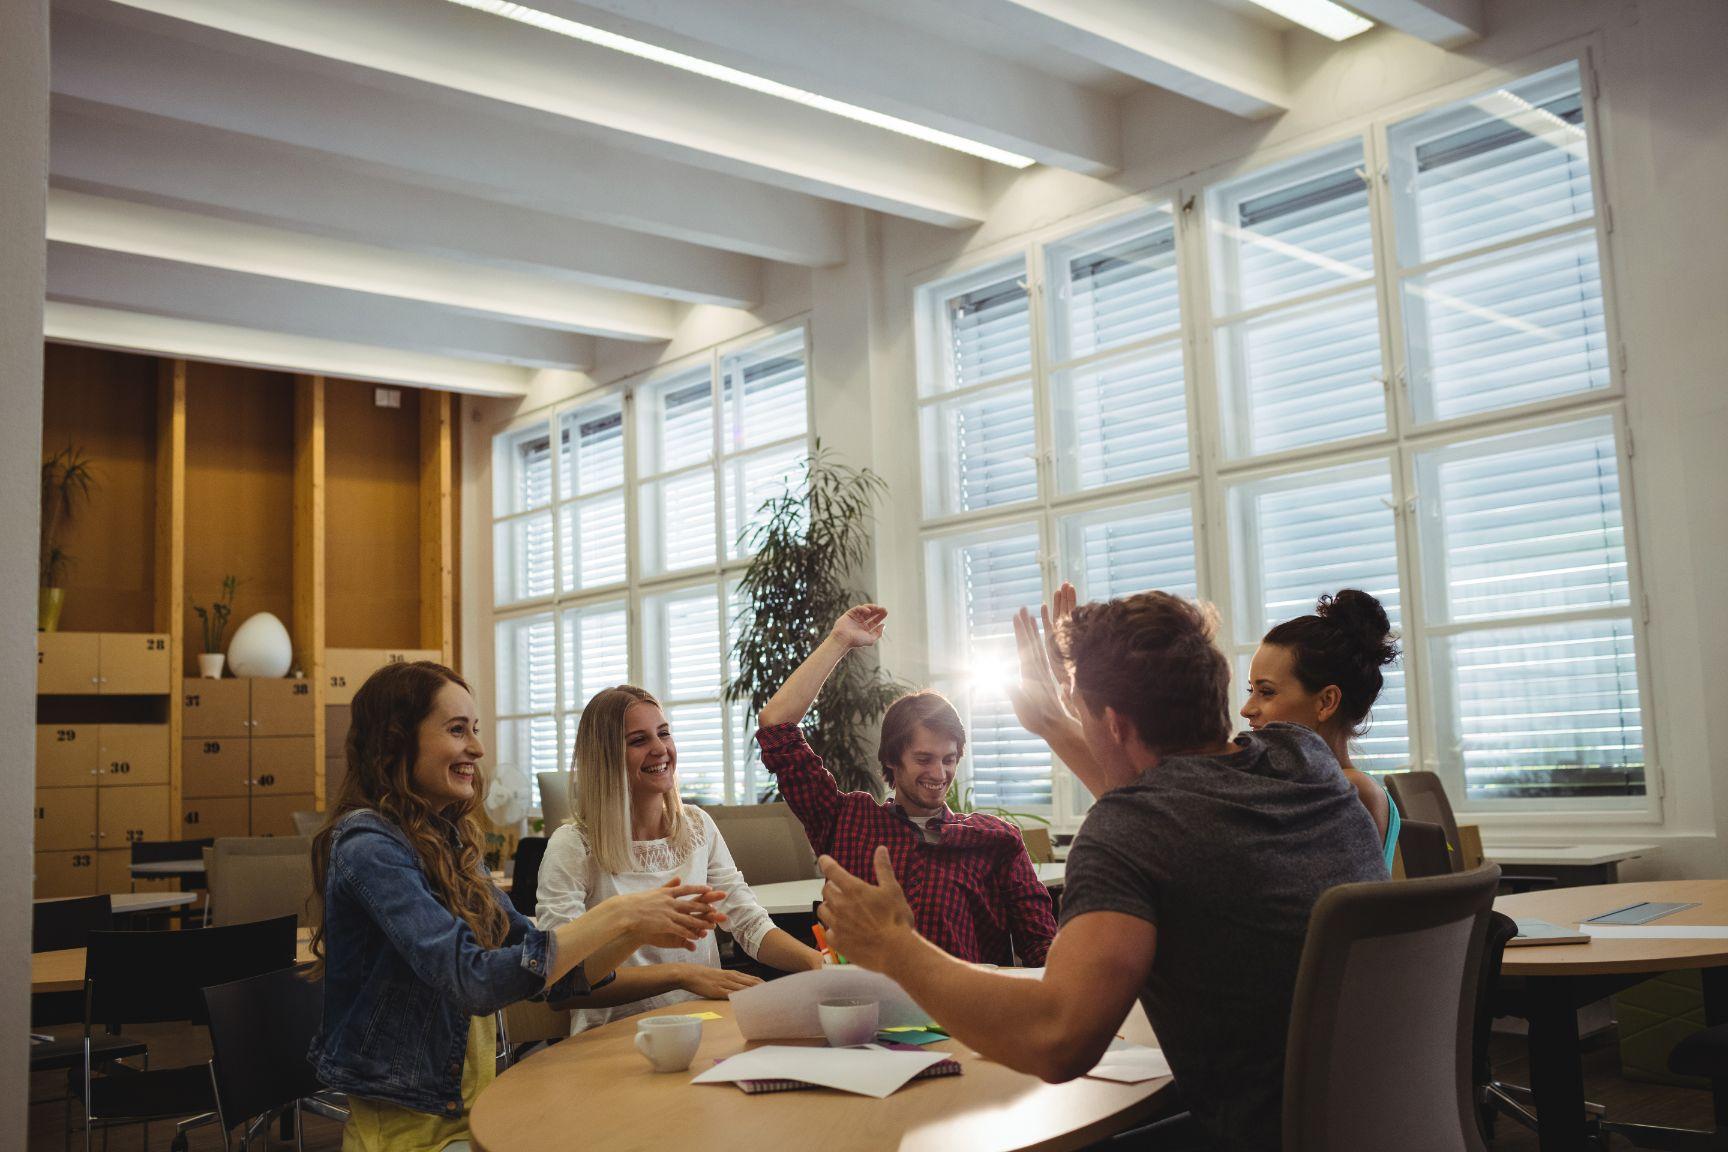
x=260 y=1030
x=525 y=877
x=1422 y=847
x=1421 y=796
x=160 y=977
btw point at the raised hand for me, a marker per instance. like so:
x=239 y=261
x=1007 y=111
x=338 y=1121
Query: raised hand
x=864 y=920
x=1040 y=699
x=1055 y=614
x=860 y=627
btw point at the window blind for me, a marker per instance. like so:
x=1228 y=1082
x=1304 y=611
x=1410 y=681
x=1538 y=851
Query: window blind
x=985 y=447
x=1115 y=552
x=1119 y=288
x=524 y=559
x=1122 y=420
x=591 y=450
x=591 y=542
x=753 y=480
x=989 y=332
x=765 y=397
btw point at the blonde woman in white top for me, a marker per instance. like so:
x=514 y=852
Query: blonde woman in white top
x=631 y=833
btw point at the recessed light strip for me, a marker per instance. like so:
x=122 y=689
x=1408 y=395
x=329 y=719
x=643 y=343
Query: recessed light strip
x=645 y=51
x=1333 y=21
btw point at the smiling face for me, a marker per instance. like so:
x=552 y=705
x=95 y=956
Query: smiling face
x=926 y=769
x=1275 y=694
x=447 y=763
x=650 y=756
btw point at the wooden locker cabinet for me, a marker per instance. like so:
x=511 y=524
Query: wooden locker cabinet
x=67 y=755
x=274 y=815
x=66 y=819
x=133 y=755
x=247 y=740
x=68 y=663
x=215 y=708
x=283 y=764
x=127 y=816
x=345 y=669
x=213 y=816
x=134 y=664
x=60 y=874
x=281 y=708
x=215 y=766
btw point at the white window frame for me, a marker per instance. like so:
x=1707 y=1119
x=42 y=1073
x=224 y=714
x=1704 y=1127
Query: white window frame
x=637 y=585
x=1213 y=470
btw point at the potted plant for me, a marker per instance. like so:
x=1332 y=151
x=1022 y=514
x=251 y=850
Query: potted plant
x=214 y=620
x=66 y=479
x=811 y=544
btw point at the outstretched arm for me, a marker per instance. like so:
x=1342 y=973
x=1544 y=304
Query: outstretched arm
x=1041 y=699
x=860 y=627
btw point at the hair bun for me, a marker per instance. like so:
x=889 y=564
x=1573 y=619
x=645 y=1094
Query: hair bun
x=1362 y=616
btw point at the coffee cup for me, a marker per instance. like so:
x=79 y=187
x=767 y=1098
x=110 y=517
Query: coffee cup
x=848 y=1022
x=669 y=1043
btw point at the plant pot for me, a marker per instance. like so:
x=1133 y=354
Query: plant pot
x=210 y=665
x=49 y=601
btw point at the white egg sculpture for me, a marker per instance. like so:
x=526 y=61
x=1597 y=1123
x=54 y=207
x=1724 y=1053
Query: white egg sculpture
x=260 y=647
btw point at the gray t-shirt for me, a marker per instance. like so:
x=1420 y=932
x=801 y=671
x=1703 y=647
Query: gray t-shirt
x=1226 y=855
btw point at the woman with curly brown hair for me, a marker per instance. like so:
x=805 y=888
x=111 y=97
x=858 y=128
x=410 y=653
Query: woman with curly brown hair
x=416 y=947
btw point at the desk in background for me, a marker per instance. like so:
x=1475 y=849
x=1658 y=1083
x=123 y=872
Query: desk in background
x=794 y=897
x=1570 y=865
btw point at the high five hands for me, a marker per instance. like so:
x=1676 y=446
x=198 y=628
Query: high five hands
x=864 y=921
x=1041 y=699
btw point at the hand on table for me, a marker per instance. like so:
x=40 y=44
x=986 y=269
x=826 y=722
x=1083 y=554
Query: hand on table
x=715 y=983
x=864 y=921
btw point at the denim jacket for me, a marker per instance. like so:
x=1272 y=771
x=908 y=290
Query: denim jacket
x=403 y=976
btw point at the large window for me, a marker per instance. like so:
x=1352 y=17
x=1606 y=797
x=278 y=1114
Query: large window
x=1383 y=363
x=616 y=554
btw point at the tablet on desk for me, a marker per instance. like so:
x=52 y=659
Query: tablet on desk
x=1640 y=913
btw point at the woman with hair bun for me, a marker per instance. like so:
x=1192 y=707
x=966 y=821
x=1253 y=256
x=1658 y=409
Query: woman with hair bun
x=1323 y=672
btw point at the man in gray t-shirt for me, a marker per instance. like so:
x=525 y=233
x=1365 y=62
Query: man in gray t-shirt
x=1189 y=887
x=1226 y=855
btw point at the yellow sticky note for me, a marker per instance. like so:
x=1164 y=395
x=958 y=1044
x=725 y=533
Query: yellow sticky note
x=702 y=1015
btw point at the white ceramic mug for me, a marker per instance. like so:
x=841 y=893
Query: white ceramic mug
x=669 y=1043
x=848 y=1022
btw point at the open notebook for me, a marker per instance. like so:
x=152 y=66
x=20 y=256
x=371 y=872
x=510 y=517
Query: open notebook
x=946 y=1067
x=1532 y=932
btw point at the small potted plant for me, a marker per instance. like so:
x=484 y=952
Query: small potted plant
x=66 y=479
x=214 y=620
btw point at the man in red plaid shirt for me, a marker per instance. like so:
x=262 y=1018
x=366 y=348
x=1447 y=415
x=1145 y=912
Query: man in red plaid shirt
x=972 y=888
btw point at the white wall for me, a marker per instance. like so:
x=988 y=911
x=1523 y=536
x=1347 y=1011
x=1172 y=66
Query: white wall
x=23 y=204
x=1665 y=159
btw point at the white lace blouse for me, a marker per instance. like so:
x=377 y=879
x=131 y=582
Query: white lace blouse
x=571 y=882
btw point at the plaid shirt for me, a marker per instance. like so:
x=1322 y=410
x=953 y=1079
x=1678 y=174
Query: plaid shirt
x=973 y=892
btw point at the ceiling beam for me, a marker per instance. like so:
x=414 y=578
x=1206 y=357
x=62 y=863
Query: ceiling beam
x=213 y=173
x=443 y=139
x=1201 y=50
x=880 y=64
x=103 y=279
x=95 y=222
x=223 y=344
x=1448 y=23
x=642 y=105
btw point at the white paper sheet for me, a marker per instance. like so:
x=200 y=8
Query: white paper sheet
x=868 y=1071
x=785 y=1009
x=1130 y=1063
x=1656 y=931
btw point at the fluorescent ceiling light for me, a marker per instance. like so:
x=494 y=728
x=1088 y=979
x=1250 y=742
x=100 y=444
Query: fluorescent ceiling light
x=643 y=50
x=1332 y=21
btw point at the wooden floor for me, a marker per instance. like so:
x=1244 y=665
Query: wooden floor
x=1625 y=1100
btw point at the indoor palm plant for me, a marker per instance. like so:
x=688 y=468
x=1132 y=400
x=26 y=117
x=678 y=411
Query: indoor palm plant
x=66 y=479
x=809 y=547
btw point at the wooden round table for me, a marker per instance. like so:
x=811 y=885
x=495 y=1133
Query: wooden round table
x=1561 y=978
x=595 y=1090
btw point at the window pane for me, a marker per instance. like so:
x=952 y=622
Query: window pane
x=677 y=423
x=596 y=651
x=530 y=744
x=1113 y=552
x=527 y=666
x=1122 y=420
x=683 y=643
x=701 y=742
x=1542 y=712
x=1499 y=165
x=765 y=394
x=591 y=449
x=677 y=517
x=524 y=560
x=751 y=779
x=1306 y=376
x=591 y=542
x=522 y=464
x=977 y=582
x=1290 y=230
x=984 y=331
x=1525 y=523
x=1113 y=286
x=980 y=451
x=1299 y=536
x=1507 y=330
x=753 y=480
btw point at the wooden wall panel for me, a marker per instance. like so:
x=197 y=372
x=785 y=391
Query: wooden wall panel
x=372 y=519
x=437 y=552
x=105 y=402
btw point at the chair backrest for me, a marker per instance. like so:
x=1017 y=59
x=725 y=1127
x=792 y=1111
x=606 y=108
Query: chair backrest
x=156 y=851
x=1422 y=847
x=1039 y=845
x=1501 y=929
x=527 y=1021
x=766 y=841
x=260 y=1029
x=57 y=924
x=153 y=977
x=1384 y=1016
x=259 y=878
x=525 y=876
x=1421 y=796
x=307 y=823
x=554 y=799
